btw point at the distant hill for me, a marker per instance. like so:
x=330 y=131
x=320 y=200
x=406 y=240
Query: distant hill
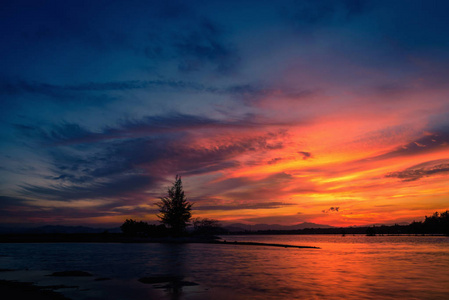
x=238 y=227
x=47 y=229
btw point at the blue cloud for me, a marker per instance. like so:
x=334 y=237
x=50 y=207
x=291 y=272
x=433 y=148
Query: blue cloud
x=202 y=47
x=116 y=188
x=127 y=159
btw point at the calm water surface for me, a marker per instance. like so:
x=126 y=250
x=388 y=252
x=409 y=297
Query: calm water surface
x=350 y=267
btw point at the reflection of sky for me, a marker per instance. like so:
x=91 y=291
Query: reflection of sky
x=270 y=112
x=350 y=267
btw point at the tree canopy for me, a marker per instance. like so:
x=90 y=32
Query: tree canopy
x=174 y=209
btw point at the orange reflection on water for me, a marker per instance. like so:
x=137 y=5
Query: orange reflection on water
x=351 y=267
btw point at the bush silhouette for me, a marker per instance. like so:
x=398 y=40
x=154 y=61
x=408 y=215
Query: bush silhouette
x=134 y=228
x=207 y=226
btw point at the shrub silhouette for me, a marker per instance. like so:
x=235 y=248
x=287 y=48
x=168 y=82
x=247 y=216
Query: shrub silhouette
x=142 y=229
x=207 y=226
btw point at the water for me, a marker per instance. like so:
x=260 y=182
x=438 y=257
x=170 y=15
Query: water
x=350 y=267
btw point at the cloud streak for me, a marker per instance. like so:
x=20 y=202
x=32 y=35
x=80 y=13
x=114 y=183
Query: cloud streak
x=431 y=168
x=135 y=157
x=203 y=46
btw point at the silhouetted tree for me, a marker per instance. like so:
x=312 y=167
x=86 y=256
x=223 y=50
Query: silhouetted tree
x=175 y=209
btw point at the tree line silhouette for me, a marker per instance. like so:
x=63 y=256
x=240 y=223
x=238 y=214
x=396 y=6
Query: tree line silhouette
x=438 y=223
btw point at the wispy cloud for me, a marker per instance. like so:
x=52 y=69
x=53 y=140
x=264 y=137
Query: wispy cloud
x=307 y=15
x=172 y=123
x=137 y=155
x=247 y=91
x=205 y=46
x=118 y=187
x=430 y=168
x=438 y=140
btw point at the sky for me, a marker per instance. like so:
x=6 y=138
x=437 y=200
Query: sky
x=276 y=112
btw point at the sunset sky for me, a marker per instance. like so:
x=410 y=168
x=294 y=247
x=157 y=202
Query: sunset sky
x=332 y=112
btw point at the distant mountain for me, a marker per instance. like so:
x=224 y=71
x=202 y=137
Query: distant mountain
x=235 y=227
x=57 y=229
x=69 y=229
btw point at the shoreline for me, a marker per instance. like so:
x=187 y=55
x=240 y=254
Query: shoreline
x=263 y=244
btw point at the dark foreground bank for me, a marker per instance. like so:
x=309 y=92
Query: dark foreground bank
x=27 y=290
